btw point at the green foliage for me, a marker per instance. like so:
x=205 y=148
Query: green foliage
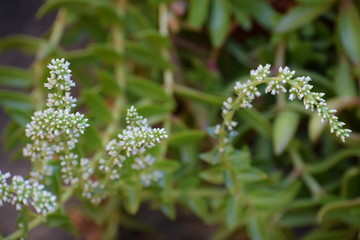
x=277 y=175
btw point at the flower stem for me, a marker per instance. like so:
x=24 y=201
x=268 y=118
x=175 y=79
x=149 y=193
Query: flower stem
x=168 y=74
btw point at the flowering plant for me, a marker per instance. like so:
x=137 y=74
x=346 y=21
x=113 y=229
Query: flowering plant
x=55 y=131
x=167 y=118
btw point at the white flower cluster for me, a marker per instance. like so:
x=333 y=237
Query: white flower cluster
x=94 y=191
x=299 y=88
x=134 y=140
x=69 y=165
x=54 y=132
x=248 y=90
x=152 y=177
x=260 y=73
x=144 y=163
x=227 y=105
x=80 y=173
x=22 y=192
x=60 y=75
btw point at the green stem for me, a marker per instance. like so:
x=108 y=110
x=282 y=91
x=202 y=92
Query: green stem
x=280 y=61
x=117 y=43
x=39 y=64
x=197 y=95
x=310 y=181
x=38 y=219
x=332 y=161
x=33 y=224
x=118 y=39
x=168 y=75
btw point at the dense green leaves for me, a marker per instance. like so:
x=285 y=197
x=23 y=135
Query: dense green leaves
x=266 y=179
x=349 y=30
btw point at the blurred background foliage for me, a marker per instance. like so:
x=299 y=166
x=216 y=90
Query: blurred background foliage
x=177 y=61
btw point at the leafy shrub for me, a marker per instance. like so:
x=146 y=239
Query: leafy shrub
x=253 y=165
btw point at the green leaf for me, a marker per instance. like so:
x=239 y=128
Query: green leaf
x=54 y=181
x=219 y=22
x=301 y=15
x=167 y=165
x=101 y=9
x=22 y=42
x=106 y=53
x=70 y=4
x=256 y=120
x=133 y=198
x=285 y=126
x=211 y=157
x=344 y=83
x=20 y=116
x=186 y=137
x=332 y=161
x=234 y=206
x=213 y=175
x=349 y=30
x=193 y=94
x=91 y=139
x=135 y=19
x=242 y=13
x=239 y=159
x=153 y=112
x=261 y=10
x=230 y=181
x=251 y=174
x=13 y=136
x=198 y=205
x=108 y=82
x=169 y=210
x=81 y=57
x=350 y=183
x=239 y=52
x=15 y=100
x=300 y=218
x=316 y=127
x=198 y=13
x=60 y=220
x=108 y=13
x=273 y=198
x=96 y=105
x=256 y=228
x=314 y=1
x=340 y=210
x=14 y=77
x=153 y=37
x=146 y=55
x=146 y=88
x=330 y=234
